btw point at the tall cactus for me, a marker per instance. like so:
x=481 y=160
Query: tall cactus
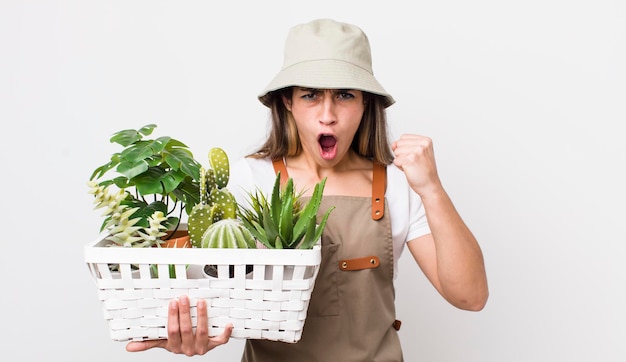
x=219 y=163
x=216 y=204
x=200 y=217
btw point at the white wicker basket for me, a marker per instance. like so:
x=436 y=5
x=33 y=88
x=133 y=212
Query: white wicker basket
x=270 y=302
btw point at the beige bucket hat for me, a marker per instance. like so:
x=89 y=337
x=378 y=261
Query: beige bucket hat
x=326 y=54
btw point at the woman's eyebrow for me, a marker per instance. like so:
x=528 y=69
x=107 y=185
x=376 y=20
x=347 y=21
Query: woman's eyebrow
x=334 y=90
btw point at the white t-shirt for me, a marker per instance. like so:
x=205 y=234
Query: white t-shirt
x=408 y=218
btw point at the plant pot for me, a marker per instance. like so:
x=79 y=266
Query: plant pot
x=118 y=275
x=211 y=271
x=179 y=239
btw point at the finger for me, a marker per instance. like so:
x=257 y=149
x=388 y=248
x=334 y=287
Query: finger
x=202 y=327
x=173 y=324
x=222 y=338
x=184 y=321
x=398 y=164
x=145 y=345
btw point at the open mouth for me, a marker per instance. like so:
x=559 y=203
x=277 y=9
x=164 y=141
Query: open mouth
x=328 y=146
x=327 y=142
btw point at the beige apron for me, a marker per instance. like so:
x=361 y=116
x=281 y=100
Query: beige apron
x=351 y=316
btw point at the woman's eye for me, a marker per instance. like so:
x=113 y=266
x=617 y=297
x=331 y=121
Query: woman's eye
x=310 y=95
x=345 y=95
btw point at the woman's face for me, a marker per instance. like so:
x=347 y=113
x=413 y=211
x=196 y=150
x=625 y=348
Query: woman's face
x=327 y=120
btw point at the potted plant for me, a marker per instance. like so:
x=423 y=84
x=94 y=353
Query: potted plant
x=283 y=221
x=151 y=183
x=213 y=220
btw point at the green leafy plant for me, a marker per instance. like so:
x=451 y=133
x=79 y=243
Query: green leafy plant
x=283 y=221
x=153 y=181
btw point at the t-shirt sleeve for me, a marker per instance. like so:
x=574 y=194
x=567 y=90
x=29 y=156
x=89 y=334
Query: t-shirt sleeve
x=408 y=217
x=418 y=225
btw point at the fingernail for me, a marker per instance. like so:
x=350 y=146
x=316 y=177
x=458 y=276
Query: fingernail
x=184 y=301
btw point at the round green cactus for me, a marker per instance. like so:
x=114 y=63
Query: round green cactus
x=227 y=233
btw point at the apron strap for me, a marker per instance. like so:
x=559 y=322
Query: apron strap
x=279 y=166
x=379 y=184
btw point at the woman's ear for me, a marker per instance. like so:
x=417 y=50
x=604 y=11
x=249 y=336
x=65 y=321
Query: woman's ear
x=286 y=102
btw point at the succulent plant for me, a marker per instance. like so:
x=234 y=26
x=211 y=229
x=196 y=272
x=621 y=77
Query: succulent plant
x=212 y=222
x=282 y=222
x=122 y=227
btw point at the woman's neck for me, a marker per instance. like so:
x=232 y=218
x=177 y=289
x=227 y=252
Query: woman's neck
x=352 y=176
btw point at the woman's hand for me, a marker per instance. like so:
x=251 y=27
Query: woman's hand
x=416 y=158
x=181 y=338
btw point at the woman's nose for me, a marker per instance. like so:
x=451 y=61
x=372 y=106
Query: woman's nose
x=328 y=115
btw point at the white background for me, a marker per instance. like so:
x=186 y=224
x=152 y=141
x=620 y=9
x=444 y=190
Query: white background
x=524 y=102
